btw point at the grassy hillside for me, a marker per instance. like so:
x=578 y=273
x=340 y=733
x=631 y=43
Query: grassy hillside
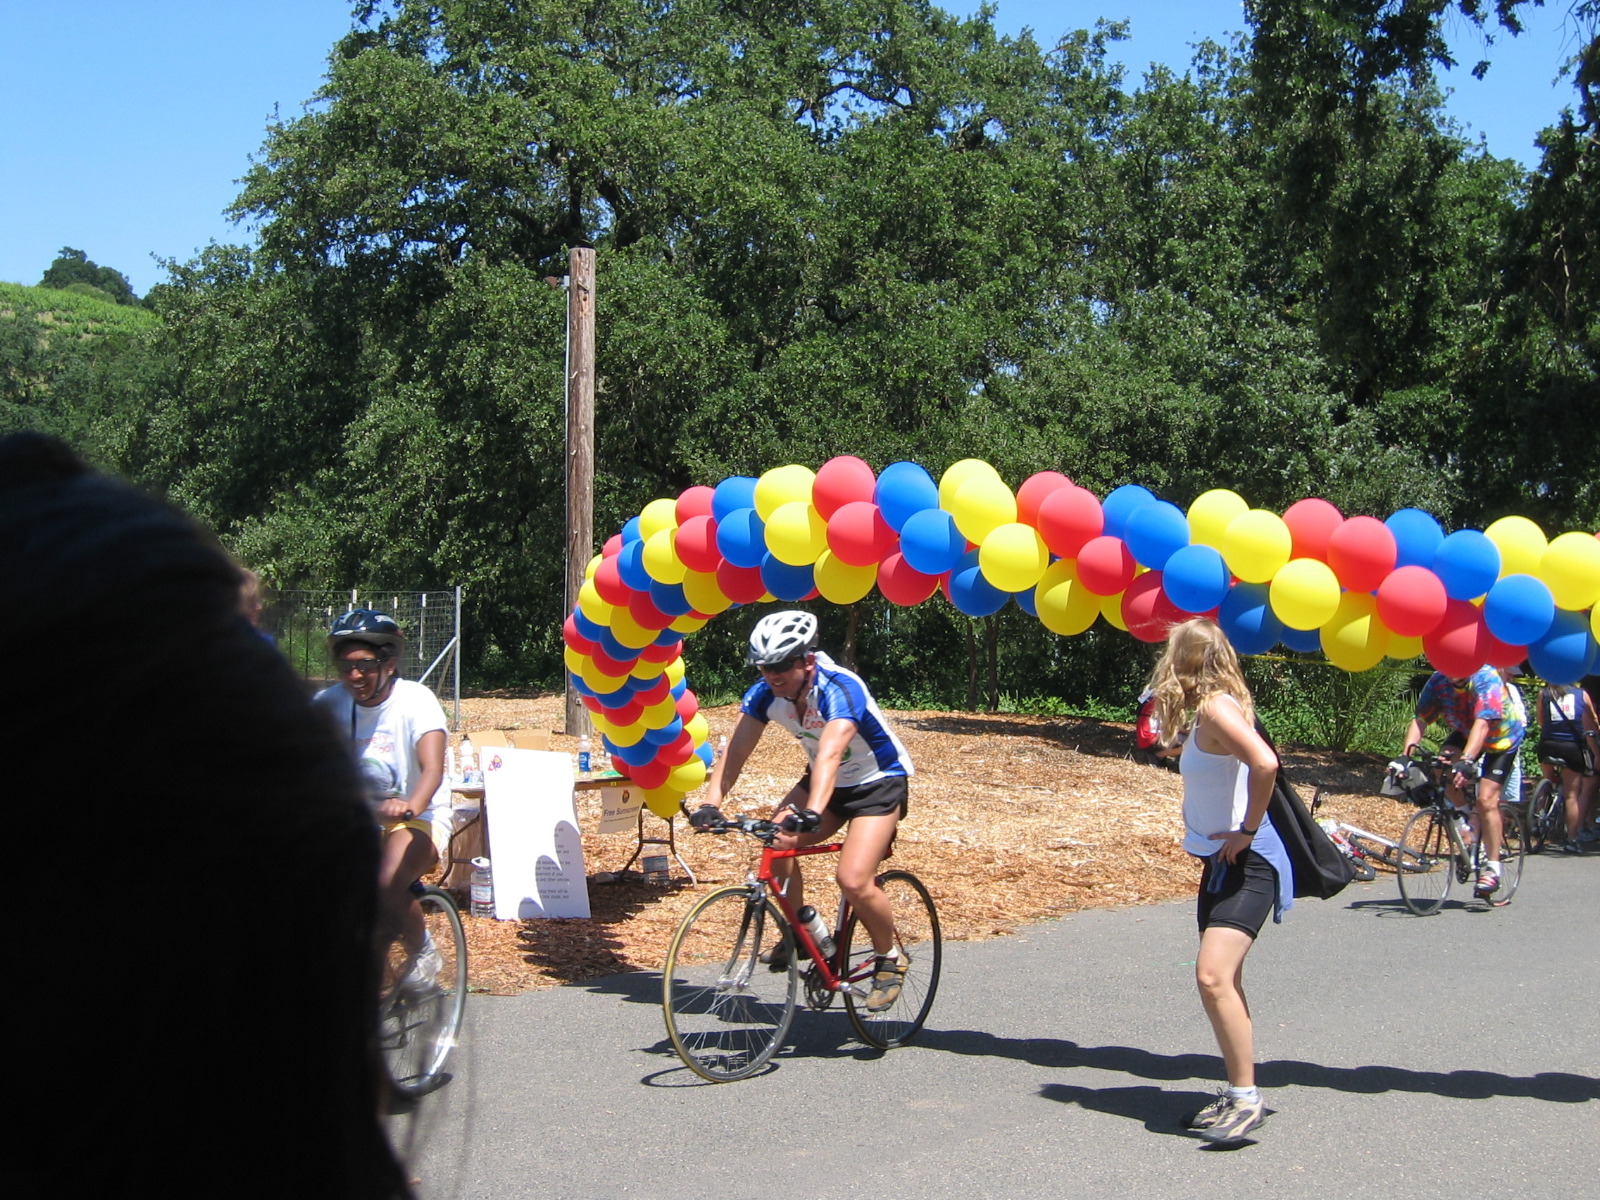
x=61 y=316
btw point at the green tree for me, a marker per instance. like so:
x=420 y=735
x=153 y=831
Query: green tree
x=72 y=269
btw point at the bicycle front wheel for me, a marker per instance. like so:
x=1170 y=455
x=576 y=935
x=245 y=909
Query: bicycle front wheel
x=424 y=997
x=1513 y=849
x=1546 y=815
x=727 y=1012
x=1425 y=862
x=916 y=936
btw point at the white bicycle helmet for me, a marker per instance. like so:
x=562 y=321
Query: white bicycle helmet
x=780 y=636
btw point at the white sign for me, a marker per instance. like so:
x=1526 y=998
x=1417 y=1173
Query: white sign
x=619 y=809
x=534 y=844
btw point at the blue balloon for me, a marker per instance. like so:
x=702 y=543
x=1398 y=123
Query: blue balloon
x=1247 y=618
x=667 y=637
x=786 y=582
x=1519 y=609
x=630 y=530
x=669 y=598
x=903 y=489
x=1467 y=563
x=1566 y=652
x=931 y=543
x=1027 y=601
x=1157 y=531
x=1416 y=536
x=637 y=754
x=579 y=685
x=589 y=629
x=742 y=538
x=1122 y=504
x=733 y=493
x=678 y=689
x=971 y=592
x=607 y=641
x=630 y=565
x=1195 y=578
x=705 y=754
x=1306 y=641
x=669 y=731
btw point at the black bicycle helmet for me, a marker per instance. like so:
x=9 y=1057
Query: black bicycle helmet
x=368 y=627
x=781 y=636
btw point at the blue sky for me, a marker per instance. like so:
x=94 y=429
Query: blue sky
x=128 y=125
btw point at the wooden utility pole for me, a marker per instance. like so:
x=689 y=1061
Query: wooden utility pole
x=580 y=444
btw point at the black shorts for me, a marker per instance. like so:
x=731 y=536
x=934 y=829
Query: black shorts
x=1493 y=765
x=875 y=799
x=1573 y=756
x=1249 y=892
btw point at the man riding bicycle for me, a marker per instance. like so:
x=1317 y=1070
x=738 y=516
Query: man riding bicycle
x=858 y=774
x=1485 y=736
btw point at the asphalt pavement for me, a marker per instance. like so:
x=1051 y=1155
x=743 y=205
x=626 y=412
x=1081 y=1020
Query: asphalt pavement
x=1401 y=1057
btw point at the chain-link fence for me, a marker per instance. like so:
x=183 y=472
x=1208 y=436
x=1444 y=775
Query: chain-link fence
x=431 y=621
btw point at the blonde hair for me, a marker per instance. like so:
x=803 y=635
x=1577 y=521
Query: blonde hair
x=1199 y=662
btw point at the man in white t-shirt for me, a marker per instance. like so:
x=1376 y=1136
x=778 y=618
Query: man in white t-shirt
x=397 y=731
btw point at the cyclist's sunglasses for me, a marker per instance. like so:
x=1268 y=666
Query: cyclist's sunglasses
x=358 y=666
x=778 y=668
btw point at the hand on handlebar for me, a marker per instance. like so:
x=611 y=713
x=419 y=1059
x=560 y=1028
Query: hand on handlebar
x=1465 y=768
x=802 y=820
x=705 y=817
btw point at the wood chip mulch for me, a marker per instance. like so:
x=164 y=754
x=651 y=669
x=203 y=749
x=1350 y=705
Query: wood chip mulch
x=1013 y=819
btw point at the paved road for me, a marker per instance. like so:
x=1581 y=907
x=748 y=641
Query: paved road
x=1057 y=1064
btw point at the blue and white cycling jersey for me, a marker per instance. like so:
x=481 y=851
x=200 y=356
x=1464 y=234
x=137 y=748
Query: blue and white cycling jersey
x=873 y=753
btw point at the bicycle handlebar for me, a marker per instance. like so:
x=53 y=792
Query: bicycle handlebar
x=707 y=819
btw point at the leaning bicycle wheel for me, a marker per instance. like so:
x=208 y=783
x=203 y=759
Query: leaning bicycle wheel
x=423 y=999
x=727 y=1012
x=1513 y=849
x=1546 y=815
x=916 y=936
x=1425 y=862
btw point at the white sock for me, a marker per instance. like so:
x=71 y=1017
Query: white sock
x=893 y=955
x=1246 y=1095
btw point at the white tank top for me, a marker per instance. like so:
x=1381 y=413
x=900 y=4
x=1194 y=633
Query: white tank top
x=1215 y=793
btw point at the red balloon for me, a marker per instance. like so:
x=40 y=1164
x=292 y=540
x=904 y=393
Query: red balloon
x=613 y=546
x=608 y=582
x=902 y=583
x=696 y=543
x=1033 y=491
x=571 y=636
x=694 y=502
x=592 y=703
x=661 y=654
x=1362 y=552
x=1105 y=566
x=651 y=774
x=625 y=714
x=654 y=692
x=840 y=481
x=858 y=534
x=645 y=612
x=1067 y=518
x=742 y=585
x=606 y=665
x=678 y=751
x=1411 y=601
x=688 y=704
x=1146 y=611
x=621 y=768
x=1311 y=523
x=1452 y=645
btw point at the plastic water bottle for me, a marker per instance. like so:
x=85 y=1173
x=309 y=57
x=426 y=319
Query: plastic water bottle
x=722 y=748
x=818 y=931
x=1463 y=830
x=469 y=762
x=655 y=869
x=583 y=756
x=482 y=888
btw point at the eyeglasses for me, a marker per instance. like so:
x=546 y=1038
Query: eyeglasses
x=778 y=668
x=358 y=666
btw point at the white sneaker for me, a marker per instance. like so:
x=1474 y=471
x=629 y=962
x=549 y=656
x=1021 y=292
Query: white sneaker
x=424 y=972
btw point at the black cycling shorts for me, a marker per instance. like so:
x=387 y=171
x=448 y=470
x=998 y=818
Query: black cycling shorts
x=1493 y=765
x=875 y=799
x=1249 y=892
x=1573 y=755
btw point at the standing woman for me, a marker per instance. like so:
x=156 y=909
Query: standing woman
x=1228 y=774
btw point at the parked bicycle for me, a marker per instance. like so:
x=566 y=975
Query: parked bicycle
x=423 y=998
x=728 y=1011
x=1439 y=849
x=1365 y=849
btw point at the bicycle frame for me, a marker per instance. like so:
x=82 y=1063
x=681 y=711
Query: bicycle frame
x=764 y=877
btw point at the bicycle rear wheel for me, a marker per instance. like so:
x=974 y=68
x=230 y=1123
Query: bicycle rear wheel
x=420 y=1011
x=1425 y=862
x=1513 y=849
x=916 y=936
x=1546 y=816
x=727 y=1012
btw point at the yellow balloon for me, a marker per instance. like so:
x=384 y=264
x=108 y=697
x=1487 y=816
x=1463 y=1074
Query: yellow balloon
x=661 y=559
x=1354 y=639
x=699 y=729
x=1111 y=610
x=1402 y=648
x=700 y=589
x=675 y=670
x=599 y=680
x=951 y=481
x=1304 y=593
x=575 y=660
x=602 y=725
x=1521 y=544
x=982 y=504
x=688 y=623
x=687 y=776
x=840 y=583
x=660 y=714
x=1064 y=605
x=1211 y=513
x=662 y=801
x=658 y=515
x=592 y=606
x=782 y=485
x=645 y=669
x=629 y=632
x=1570 y=568
x=796 y=533
x=628 y=735
x=1255 y=545
x=593 y=565
x=1013 y=557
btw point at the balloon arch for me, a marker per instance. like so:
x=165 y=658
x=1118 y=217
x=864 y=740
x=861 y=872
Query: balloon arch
x=1357 y=589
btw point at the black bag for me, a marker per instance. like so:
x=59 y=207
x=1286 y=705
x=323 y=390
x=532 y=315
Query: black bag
x=1320 y=868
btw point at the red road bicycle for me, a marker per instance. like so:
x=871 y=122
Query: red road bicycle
x=728 y=1012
